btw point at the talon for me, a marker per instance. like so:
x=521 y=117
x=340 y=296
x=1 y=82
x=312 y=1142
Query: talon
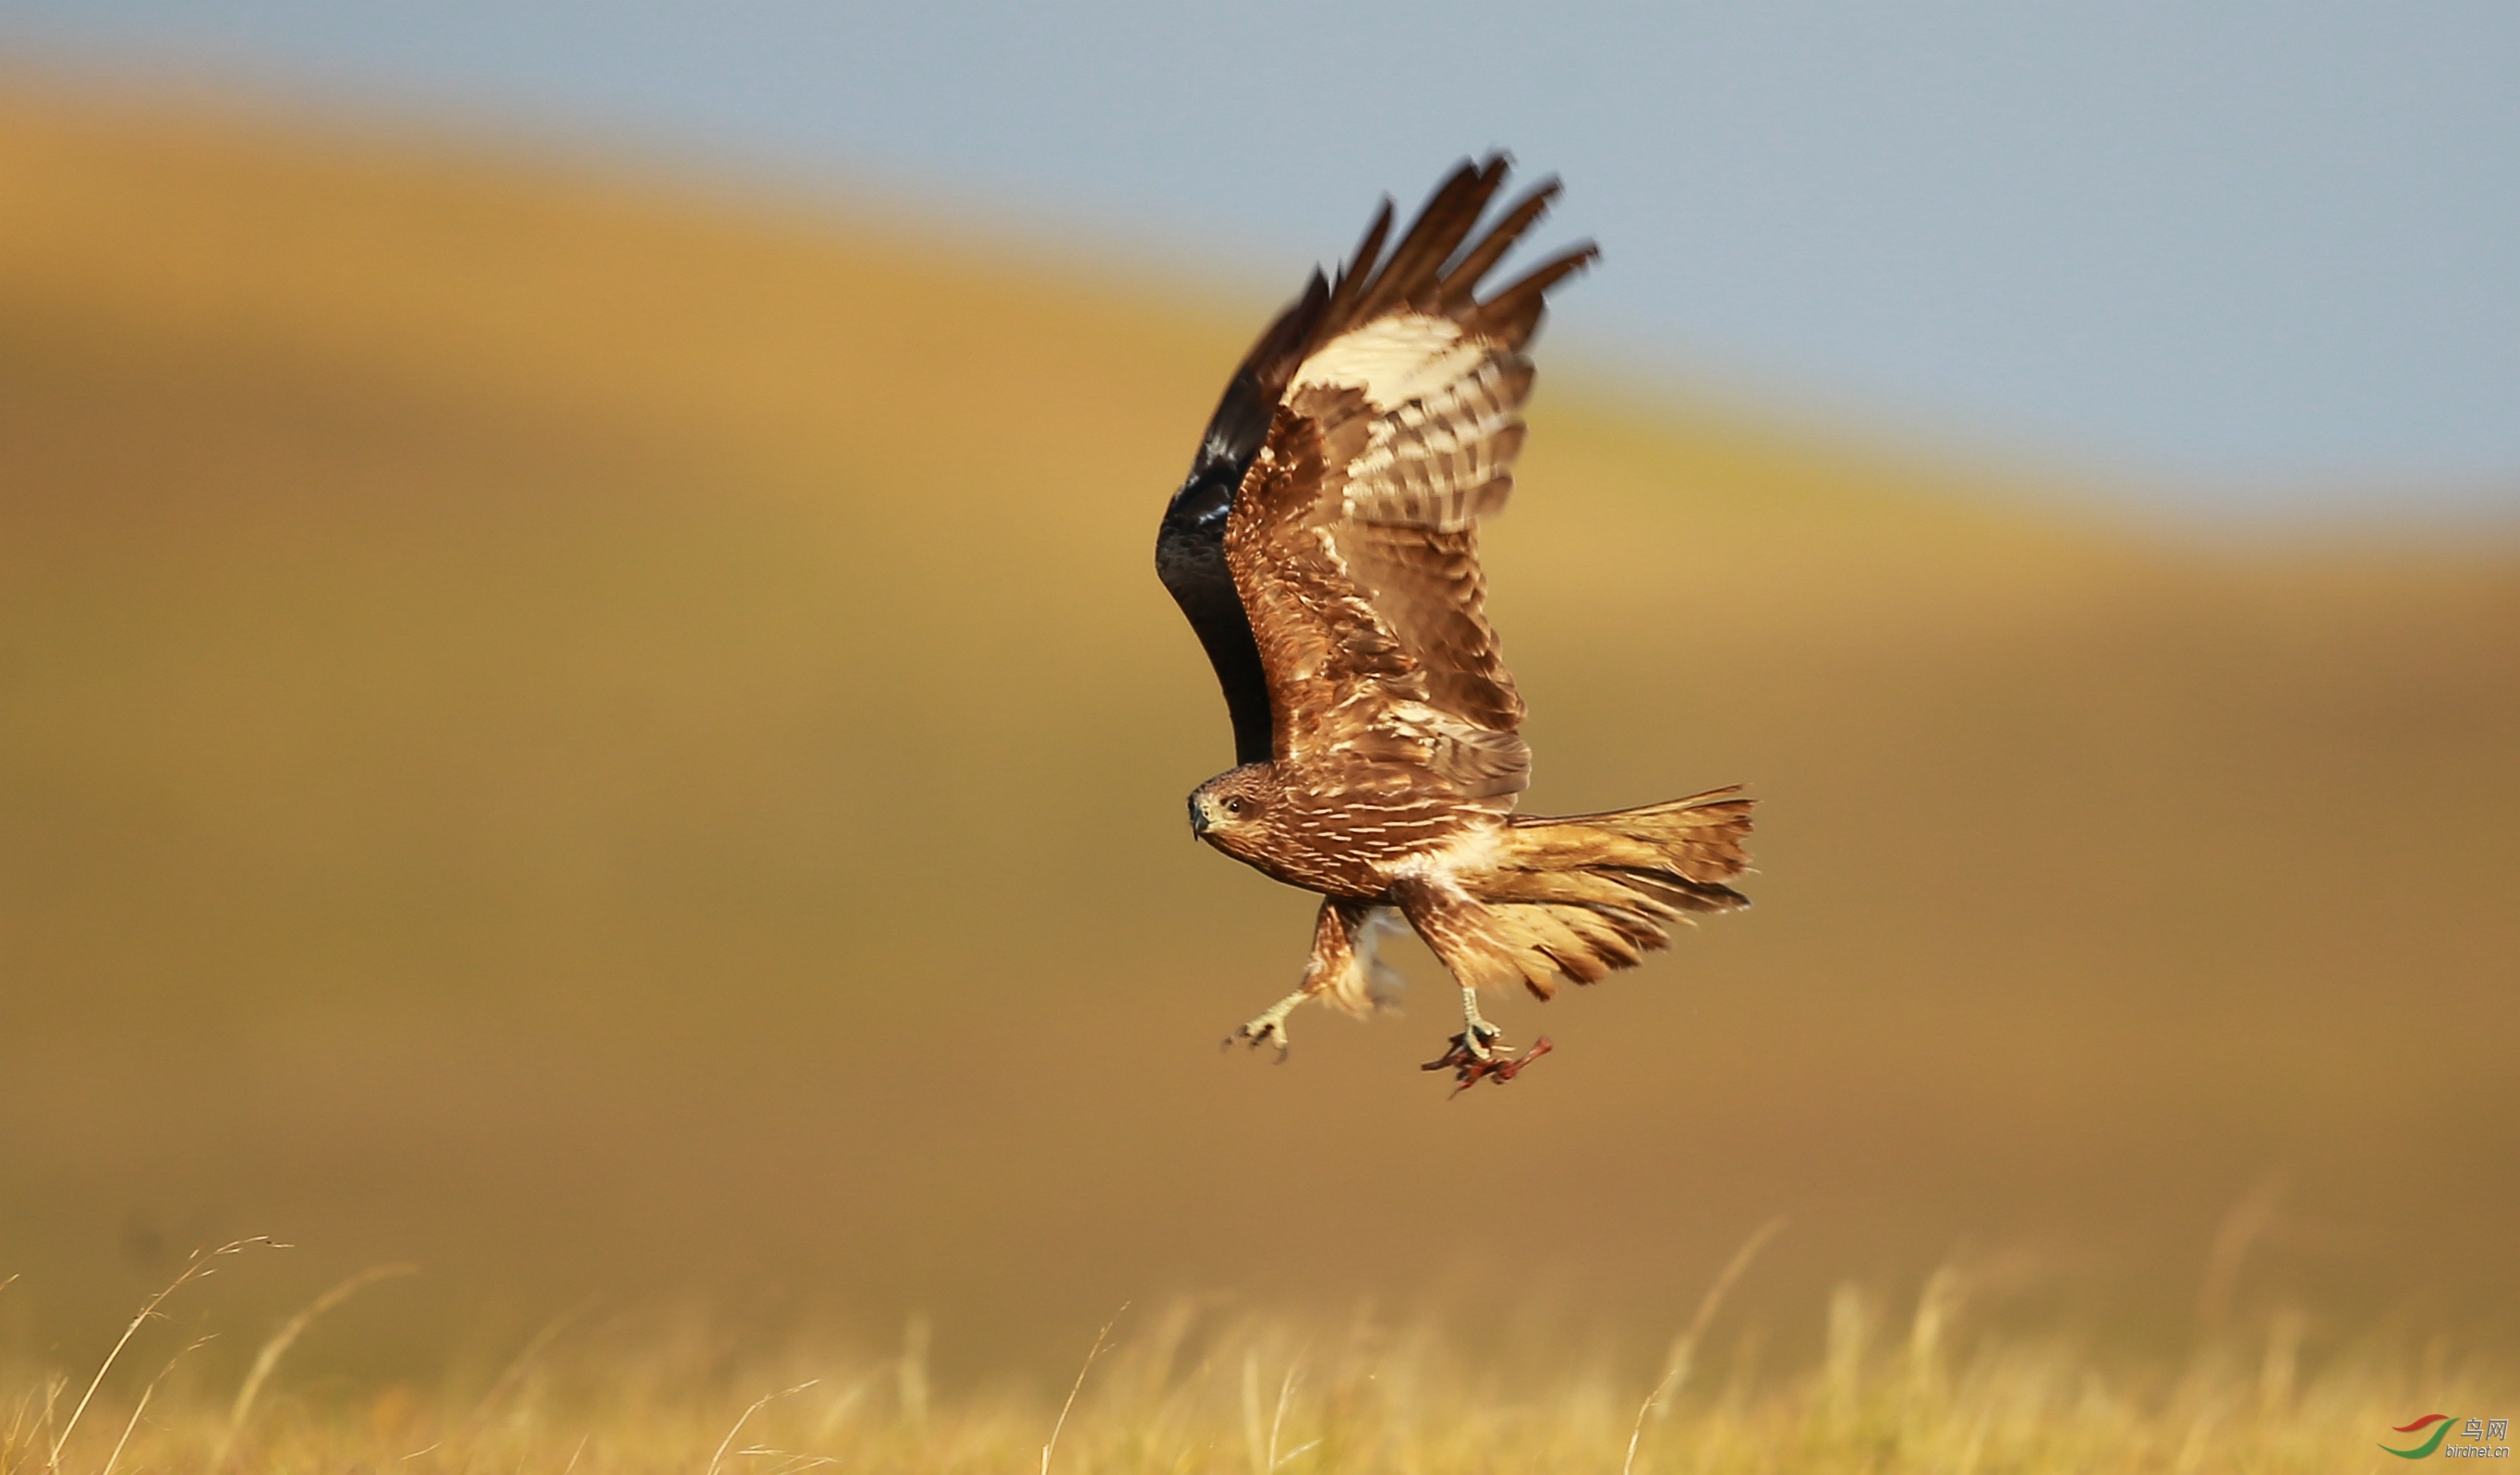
x=1472 y=1061
x=1477 y=1043
x=1270 y=1026
x=1254 y=1038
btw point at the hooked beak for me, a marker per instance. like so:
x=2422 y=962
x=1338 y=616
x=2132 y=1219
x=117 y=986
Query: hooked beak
x=1198 y=823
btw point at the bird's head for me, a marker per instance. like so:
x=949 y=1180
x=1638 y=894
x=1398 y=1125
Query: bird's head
x=1234 y=805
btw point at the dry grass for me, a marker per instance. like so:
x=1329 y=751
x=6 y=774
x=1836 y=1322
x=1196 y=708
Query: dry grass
x=1192 y=1388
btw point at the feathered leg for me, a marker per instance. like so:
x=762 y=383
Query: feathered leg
x=1344 y=968
x=1466 y=938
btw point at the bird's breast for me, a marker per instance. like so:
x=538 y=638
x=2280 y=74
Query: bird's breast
x=1350 y=844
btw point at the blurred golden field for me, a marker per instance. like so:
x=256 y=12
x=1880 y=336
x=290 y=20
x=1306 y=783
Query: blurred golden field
x=1187 y=1390
x=617 y=740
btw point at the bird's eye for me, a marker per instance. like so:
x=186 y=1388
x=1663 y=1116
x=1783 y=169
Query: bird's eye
x=1234 y=805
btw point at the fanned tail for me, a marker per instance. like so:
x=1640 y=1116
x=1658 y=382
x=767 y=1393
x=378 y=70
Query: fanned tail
x=1584 y=895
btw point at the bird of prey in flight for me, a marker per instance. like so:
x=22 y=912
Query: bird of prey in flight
x=1324 y=547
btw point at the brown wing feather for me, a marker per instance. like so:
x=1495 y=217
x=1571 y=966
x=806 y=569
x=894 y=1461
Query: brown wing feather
x=1353 y=541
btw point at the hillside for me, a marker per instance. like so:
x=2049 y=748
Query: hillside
x=607 y=740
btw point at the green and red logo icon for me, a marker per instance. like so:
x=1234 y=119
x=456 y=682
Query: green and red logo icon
x=2492 y=1438
x=2441 y=1431
x=2429 y=1444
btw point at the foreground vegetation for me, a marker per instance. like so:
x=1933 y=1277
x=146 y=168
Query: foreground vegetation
x=1182 y=1389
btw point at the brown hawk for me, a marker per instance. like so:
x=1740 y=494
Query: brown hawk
x=1324 y=548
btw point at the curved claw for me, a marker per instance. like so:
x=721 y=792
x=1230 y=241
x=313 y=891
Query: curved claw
x=1270 y=1027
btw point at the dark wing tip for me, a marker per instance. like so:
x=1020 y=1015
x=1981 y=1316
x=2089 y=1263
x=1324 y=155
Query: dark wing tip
x=1512 y=314
x=1413 y=275
x=1444 y=256
x=1359 y=273
x=1460 y=283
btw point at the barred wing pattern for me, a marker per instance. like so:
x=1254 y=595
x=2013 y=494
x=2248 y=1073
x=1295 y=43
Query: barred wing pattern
x=1352 y=540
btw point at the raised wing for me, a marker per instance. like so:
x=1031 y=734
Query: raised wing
x=1353 y=538
x=1190 y=546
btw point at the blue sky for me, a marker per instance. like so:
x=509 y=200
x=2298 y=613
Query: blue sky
x=2254 y=258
